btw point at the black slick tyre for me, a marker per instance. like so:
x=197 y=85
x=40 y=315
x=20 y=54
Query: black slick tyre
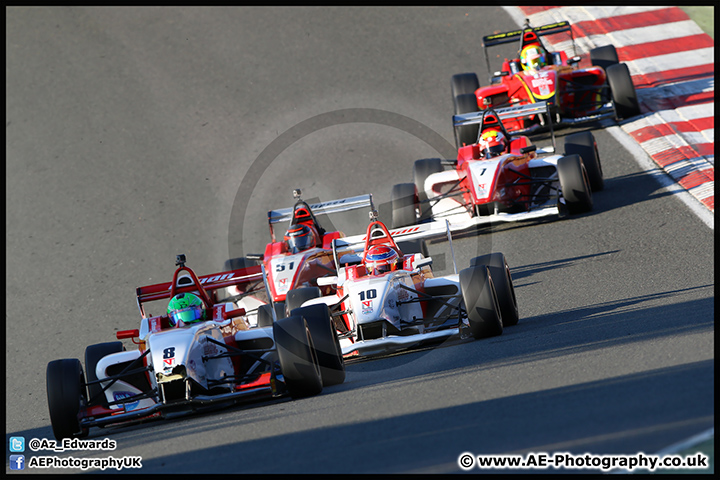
x=622 y=90
x=574 y=184
x=66 y=396
x=481 y=302
x=325 y=341
x=296 y=354
x=584 y=144
x=502 y=279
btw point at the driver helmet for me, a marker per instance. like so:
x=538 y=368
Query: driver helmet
x=492 y=143
x=185 y=308
x=300 y=237
x=532 y=58
x=381 y=259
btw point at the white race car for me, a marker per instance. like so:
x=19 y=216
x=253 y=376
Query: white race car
x=386 y=300
x=517 y=183
x=222 y=358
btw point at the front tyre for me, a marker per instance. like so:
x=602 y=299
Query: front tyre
x=583 y=144
x=574 y=184
x=622 y=90
x=463 y=83
x=296 y=354
x=326 y=342
x=481 y=302
x=502 y=279
x=65 y=384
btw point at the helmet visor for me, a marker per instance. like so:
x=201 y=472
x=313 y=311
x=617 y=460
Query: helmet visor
x=378 y=268
x=187 y=315
x=537 y=62
x=300 y=243
x=495 y=150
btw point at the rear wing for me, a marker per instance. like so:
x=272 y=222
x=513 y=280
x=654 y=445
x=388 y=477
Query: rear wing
x=517 y=111
x=509 y=37
x=309 y=211
x=350 y=249
x=243 y=278
x=332 y=206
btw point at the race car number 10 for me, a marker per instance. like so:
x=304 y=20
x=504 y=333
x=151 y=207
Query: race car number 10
x=370 y=294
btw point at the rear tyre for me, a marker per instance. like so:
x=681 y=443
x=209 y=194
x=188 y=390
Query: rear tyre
x=404 y=202
x=65 y=384
x=295 y=298
x=93 y=354
x=326 y=342
x=481 y=302
x=422 y=169
x=466 y=134
x=583 y=144
x=265 y=315
x=623 y=93
x=463 y=83
x=604 y=56
x=296 y=354
x=502 y=279
x=574 y=184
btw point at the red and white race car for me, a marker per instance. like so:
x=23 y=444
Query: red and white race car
x=574 y=95
x=303 y=255
x=218 y=357
x=501 y=177
x=387 y=299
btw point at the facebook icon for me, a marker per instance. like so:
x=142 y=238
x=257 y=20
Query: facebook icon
x=17 y=462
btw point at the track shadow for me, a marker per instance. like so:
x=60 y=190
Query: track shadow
x=431 y=441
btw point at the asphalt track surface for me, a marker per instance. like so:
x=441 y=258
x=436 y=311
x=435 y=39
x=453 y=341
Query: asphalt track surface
x=129 y=134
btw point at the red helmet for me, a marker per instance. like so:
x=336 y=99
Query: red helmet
x=300 y=237
x=381 y=259
x=492 y=143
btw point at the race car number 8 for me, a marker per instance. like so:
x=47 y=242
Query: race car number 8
x=169 y=352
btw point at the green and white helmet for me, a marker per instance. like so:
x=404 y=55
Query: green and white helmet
x=185 y=308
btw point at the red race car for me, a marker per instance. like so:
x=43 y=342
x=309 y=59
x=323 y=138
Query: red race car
x=202 y=351
x=574 y=95
x=500 y=177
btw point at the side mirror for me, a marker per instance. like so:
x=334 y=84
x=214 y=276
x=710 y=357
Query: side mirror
x=573 y=60
x=425 y=261
x=331 y=280
x=127 y=334
x=234 y=313
x=528 y=149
